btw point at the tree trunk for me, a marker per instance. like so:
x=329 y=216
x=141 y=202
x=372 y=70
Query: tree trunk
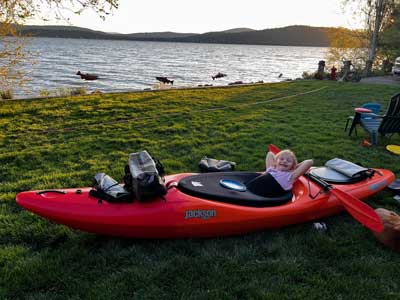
x=345 y=70
x=381 y=9
x=374 y=39
x=368 y=68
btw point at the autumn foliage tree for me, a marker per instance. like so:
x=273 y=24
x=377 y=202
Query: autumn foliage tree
x=346 y=44
x=377 y=17
x=15 y=13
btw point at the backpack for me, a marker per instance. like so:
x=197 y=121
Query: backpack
x=143 y=176
x=106 y=188
x=208 y=164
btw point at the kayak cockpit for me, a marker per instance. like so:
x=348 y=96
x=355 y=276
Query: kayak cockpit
x=208 y=186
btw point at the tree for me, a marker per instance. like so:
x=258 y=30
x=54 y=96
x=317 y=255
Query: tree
x=389 y=44
x=346 y=44
x=14 y=14
x=376 y=14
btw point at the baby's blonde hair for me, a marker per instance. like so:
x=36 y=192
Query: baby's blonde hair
x=289 y=152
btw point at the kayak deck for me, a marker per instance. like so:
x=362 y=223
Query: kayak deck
x=208 y=186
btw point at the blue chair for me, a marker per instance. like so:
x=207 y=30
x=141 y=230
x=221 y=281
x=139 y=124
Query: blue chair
x=373 y=106
x=389 y=123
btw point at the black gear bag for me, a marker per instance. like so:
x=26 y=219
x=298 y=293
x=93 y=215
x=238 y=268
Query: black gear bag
x=143 y=176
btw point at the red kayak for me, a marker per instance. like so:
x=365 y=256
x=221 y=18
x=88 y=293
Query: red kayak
x=202 y=205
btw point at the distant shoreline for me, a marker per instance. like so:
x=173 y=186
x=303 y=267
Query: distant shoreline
x=297 y=35
x=148 y=90
x=369 y=80
x=178 y=42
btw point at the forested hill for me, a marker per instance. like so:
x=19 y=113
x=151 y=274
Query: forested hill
x=286 y=36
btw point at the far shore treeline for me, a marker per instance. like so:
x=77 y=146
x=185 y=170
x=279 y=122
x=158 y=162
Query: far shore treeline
x=287 y=36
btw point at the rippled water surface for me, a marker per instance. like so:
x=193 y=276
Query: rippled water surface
x=131 y=65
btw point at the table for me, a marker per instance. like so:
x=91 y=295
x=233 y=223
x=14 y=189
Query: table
x=357 y=117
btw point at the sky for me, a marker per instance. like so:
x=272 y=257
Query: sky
x=188 y=16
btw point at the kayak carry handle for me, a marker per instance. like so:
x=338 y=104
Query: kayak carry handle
x=51 y=191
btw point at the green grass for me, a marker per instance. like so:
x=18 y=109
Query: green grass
x=64 y=142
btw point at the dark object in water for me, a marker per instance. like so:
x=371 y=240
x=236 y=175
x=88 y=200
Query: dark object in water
x=236 y=82
x=165 y=80
x=87 y=76
x=219 y=75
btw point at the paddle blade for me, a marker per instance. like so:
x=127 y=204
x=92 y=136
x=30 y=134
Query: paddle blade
x=359 y=210
x=274 y=149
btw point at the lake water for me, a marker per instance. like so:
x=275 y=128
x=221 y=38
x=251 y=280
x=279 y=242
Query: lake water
x=132 y=65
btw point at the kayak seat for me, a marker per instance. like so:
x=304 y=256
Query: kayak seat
x=207 y=186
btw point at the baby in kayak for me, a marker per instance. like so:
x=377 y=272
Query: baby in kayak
x=282 y=170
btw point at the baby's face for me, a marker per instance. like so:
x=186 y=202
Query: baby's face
x=284 y=162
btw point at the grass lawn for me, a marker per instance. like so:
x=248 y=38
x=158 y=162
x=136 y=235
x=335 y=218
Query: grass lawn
x=64 y=142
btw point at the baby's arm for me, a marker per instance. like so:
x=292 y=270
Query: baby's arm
x=270 y=160
x=302 y=168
